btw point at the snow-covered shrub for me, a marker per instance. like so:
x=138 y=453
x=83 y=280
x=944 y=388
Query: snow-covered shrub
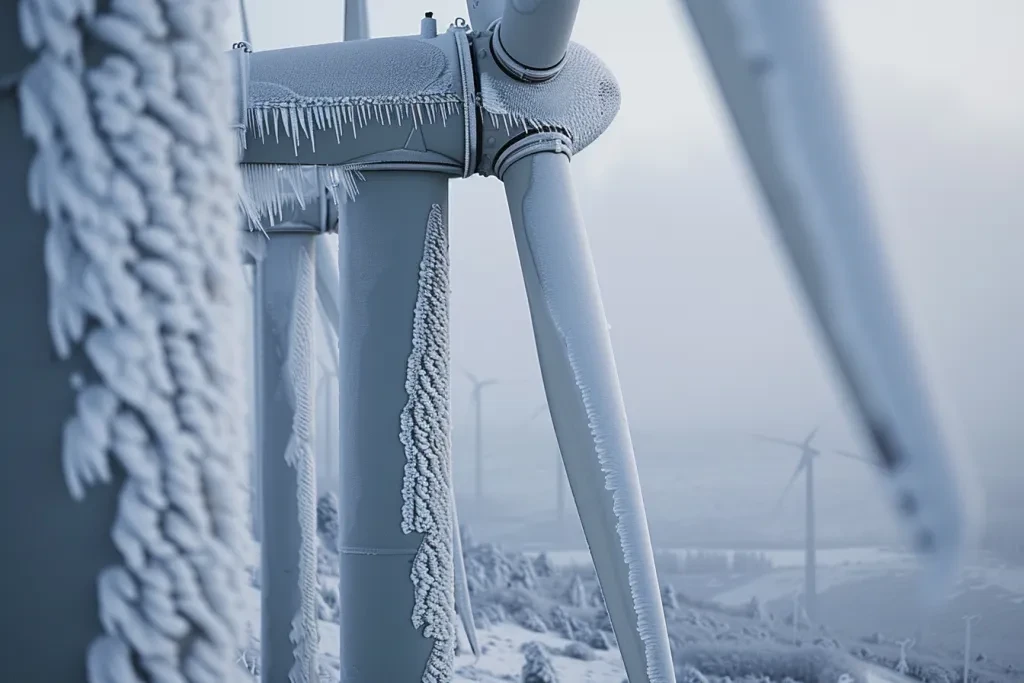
x=327 y=561
x=576 y=595
x=487 y=567
x=580 y=651
x=328 y=605
x=522 y=573
x=537 y=668
x=327 y=519
x=561 y=622
x=689 y=674
x=530 y=620
x=668 y=597
x=807 y=665
x=542 y=566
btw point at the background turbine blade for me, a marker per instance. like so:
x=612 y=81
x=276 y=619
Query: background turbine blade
x=587 y=411
x=810 y=437
x=777 y=440
x=357 y=20
x=536 y=35
x=800 y=467
x=773 y=65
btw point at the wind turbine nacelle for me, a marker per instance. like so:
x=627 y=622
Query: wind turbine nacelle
x=401 y=103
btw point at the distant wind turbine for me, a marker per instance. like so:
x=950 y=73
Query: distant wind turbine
x=559 y=468
x=478 y=386
x=806 y=466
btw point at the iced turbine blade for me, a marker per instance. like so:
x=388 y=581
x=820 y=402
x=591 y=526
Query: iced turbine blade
x=773 y=64
x=536 y=34
x=583 y=394
x=357 y=20
x=463 y=604
x=483 y=13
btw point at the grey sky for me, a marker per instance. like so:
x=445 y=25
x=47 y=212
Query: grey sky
x=708 y=331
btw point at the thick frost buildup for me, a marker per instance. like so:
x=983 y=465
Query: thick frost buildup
x=581 y=100
x=298 y=368
x=135 y=172
x=426 y=435
x=342 y=86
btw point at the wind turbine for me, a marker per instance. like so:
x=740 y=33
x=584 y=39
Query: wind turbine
x=511 y=98
x=805 y=466
x=478 y=435
x=559 y=469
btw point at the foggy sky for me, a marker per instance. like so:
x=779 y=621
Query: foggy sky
x=708 y=329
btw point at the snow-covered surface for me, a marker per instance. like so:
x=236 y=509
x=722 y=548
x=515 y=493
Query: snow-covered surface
x=501 y=662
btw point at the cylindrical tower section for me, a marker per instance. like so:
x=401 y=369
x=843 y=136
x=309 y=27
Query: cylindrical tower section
x=397 y=623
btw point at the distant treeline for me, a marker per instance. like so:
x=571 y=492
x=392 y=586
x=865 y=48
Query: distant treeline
x=712 y=562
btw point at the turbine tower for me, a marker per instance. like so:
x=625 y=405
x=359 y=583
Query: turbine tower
x=805 y=466
x=478 y=435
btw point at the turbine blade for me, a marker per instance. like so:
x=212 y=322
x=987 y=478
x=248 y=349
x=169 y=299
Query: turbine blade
x=810 y=437
x=357 y=20
x=463 y=606
x=536 y=34
x=773 y=65
x=776 y=440
x=587 y=411
x=800 y=467
x=483 y=13
x=854 y=456
x=244 y=16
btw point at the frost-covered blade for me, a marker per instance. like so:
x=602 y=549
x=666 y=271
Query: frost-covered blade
x=773 y=65
x=483 y=13
x=535 y=35
x=463 y=605
x=357 y=20
x=586 y=405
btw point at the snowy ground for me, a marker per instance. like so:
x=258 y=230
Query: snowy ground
x=501 y=660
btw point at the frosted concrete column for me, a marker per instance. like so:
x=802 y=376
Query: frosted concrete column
x=380 y=252
x=284 y=343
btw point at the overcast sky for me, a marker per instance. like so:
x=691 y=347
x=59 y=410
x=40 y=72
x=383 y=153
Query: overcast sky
x=707 y=327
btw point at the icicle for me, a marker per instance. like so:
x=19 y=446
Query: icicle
x=426 y=435
x=304 y=117
x=268 y=188
x=134 y=172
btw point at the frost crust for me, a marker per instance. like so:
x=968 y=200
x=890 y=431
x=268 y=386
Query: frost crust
x=426 y=435
x=135 y=173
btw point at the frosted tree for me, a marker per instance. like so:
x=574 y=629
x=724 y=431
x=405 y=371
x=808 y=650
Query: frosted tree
x=122 y=271
x=537 y=668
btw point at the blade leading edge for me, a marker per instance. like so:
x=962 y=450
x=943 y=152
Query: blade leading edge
x=583 y=394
